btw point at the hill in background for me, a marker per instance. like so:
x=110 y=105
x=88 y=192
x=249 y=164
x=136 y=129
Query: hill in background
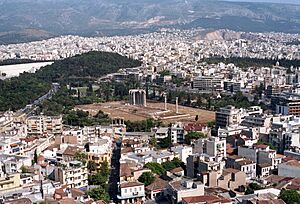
x=26 y=20
x=17 y=92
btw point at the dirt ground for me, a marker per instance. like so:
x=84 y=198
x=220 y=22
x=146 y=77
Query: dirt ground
x=153 y=110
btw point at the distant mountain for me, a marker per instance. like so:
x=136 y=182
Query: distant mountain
x=25 y=35
x=270 y=1
x=111 y=17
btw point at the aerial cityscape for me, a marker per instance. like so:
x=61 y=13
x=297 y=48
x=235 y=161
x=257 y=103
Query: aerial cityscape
x=158 y=107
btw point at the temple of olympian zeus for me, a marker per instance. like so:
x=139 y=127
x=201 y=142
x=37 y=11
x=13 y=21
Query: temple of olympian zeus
x=137 y=97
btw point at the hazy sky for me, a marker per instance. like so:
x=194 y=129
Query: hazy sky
x=273 y=1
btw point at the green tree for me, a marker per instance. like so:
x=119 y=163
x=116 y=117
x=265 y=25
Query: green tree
x=98 y=179
x=24 y=169
x=142 y=126
x=147 y=178
x=78 y=95
x=80 y=156
x=290 y=196
x=253 y=187
x=249 y=191
x=91 y=166
x=169 y=165
x=99 y=194
x=164 y=142
x=177 y=162
x=266 y=143
x=165 y=73
x=211 y=124
x=153 y=141
x=101 y=177
x=189 y=100
x=156 y=168
x=193 y=136
x=104 y=168
x=89 y=91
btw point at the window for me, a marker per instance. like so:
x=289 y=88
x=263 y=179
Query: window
x=125 y=190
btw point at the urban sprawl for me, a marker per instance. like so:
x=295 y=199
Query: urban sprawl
x=245 y=154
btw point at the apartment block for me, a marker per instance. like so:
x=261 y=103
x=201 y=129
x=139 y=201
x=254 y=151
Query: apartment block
x=73 y=173
x=131 y=192
x=39 y=125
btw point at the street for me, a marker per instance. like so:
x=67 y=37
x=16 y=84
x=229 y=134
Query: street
x=114 y=178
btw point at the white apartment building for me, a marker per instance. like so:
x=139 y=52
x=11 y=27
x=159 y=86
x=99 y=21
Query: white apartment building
x=76 y=133
x=161 y=133
x=184 y=188
x=183 y=152
x=242 y=164
x=131 y=192
x=209 y=154
x=200 y=163
x=230 y=116
x=212 y=146
x=208 y=83
x=177 y=133
x=13 y=163
x=11 y=145
x=285 y=133
x=73 y=173
x=38 y=125
x=261 y=154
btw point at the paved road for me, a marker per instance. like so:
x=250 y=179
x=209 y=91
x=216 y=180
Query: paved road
x=114 y=178
x=31 y=108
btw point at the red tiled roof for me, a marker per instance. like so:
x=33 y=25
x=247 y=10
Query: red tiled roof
x=230 y=170
x=205 y=198
x=158 y=184
x=277 y=201
x=130 y=184
x=41 y=158
x=100 y=202
x=176 y=170
x=229 y=149
x=245 y=162
x=261 y=146
x=67 y=201
x=19 y=201
x=44 y=164
x=193 y=127
x=235 y=157
x=60 y=191
x=126 y=150
x=125 y=170
x=294 y=163
x=70 y=150
x=13 y=145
